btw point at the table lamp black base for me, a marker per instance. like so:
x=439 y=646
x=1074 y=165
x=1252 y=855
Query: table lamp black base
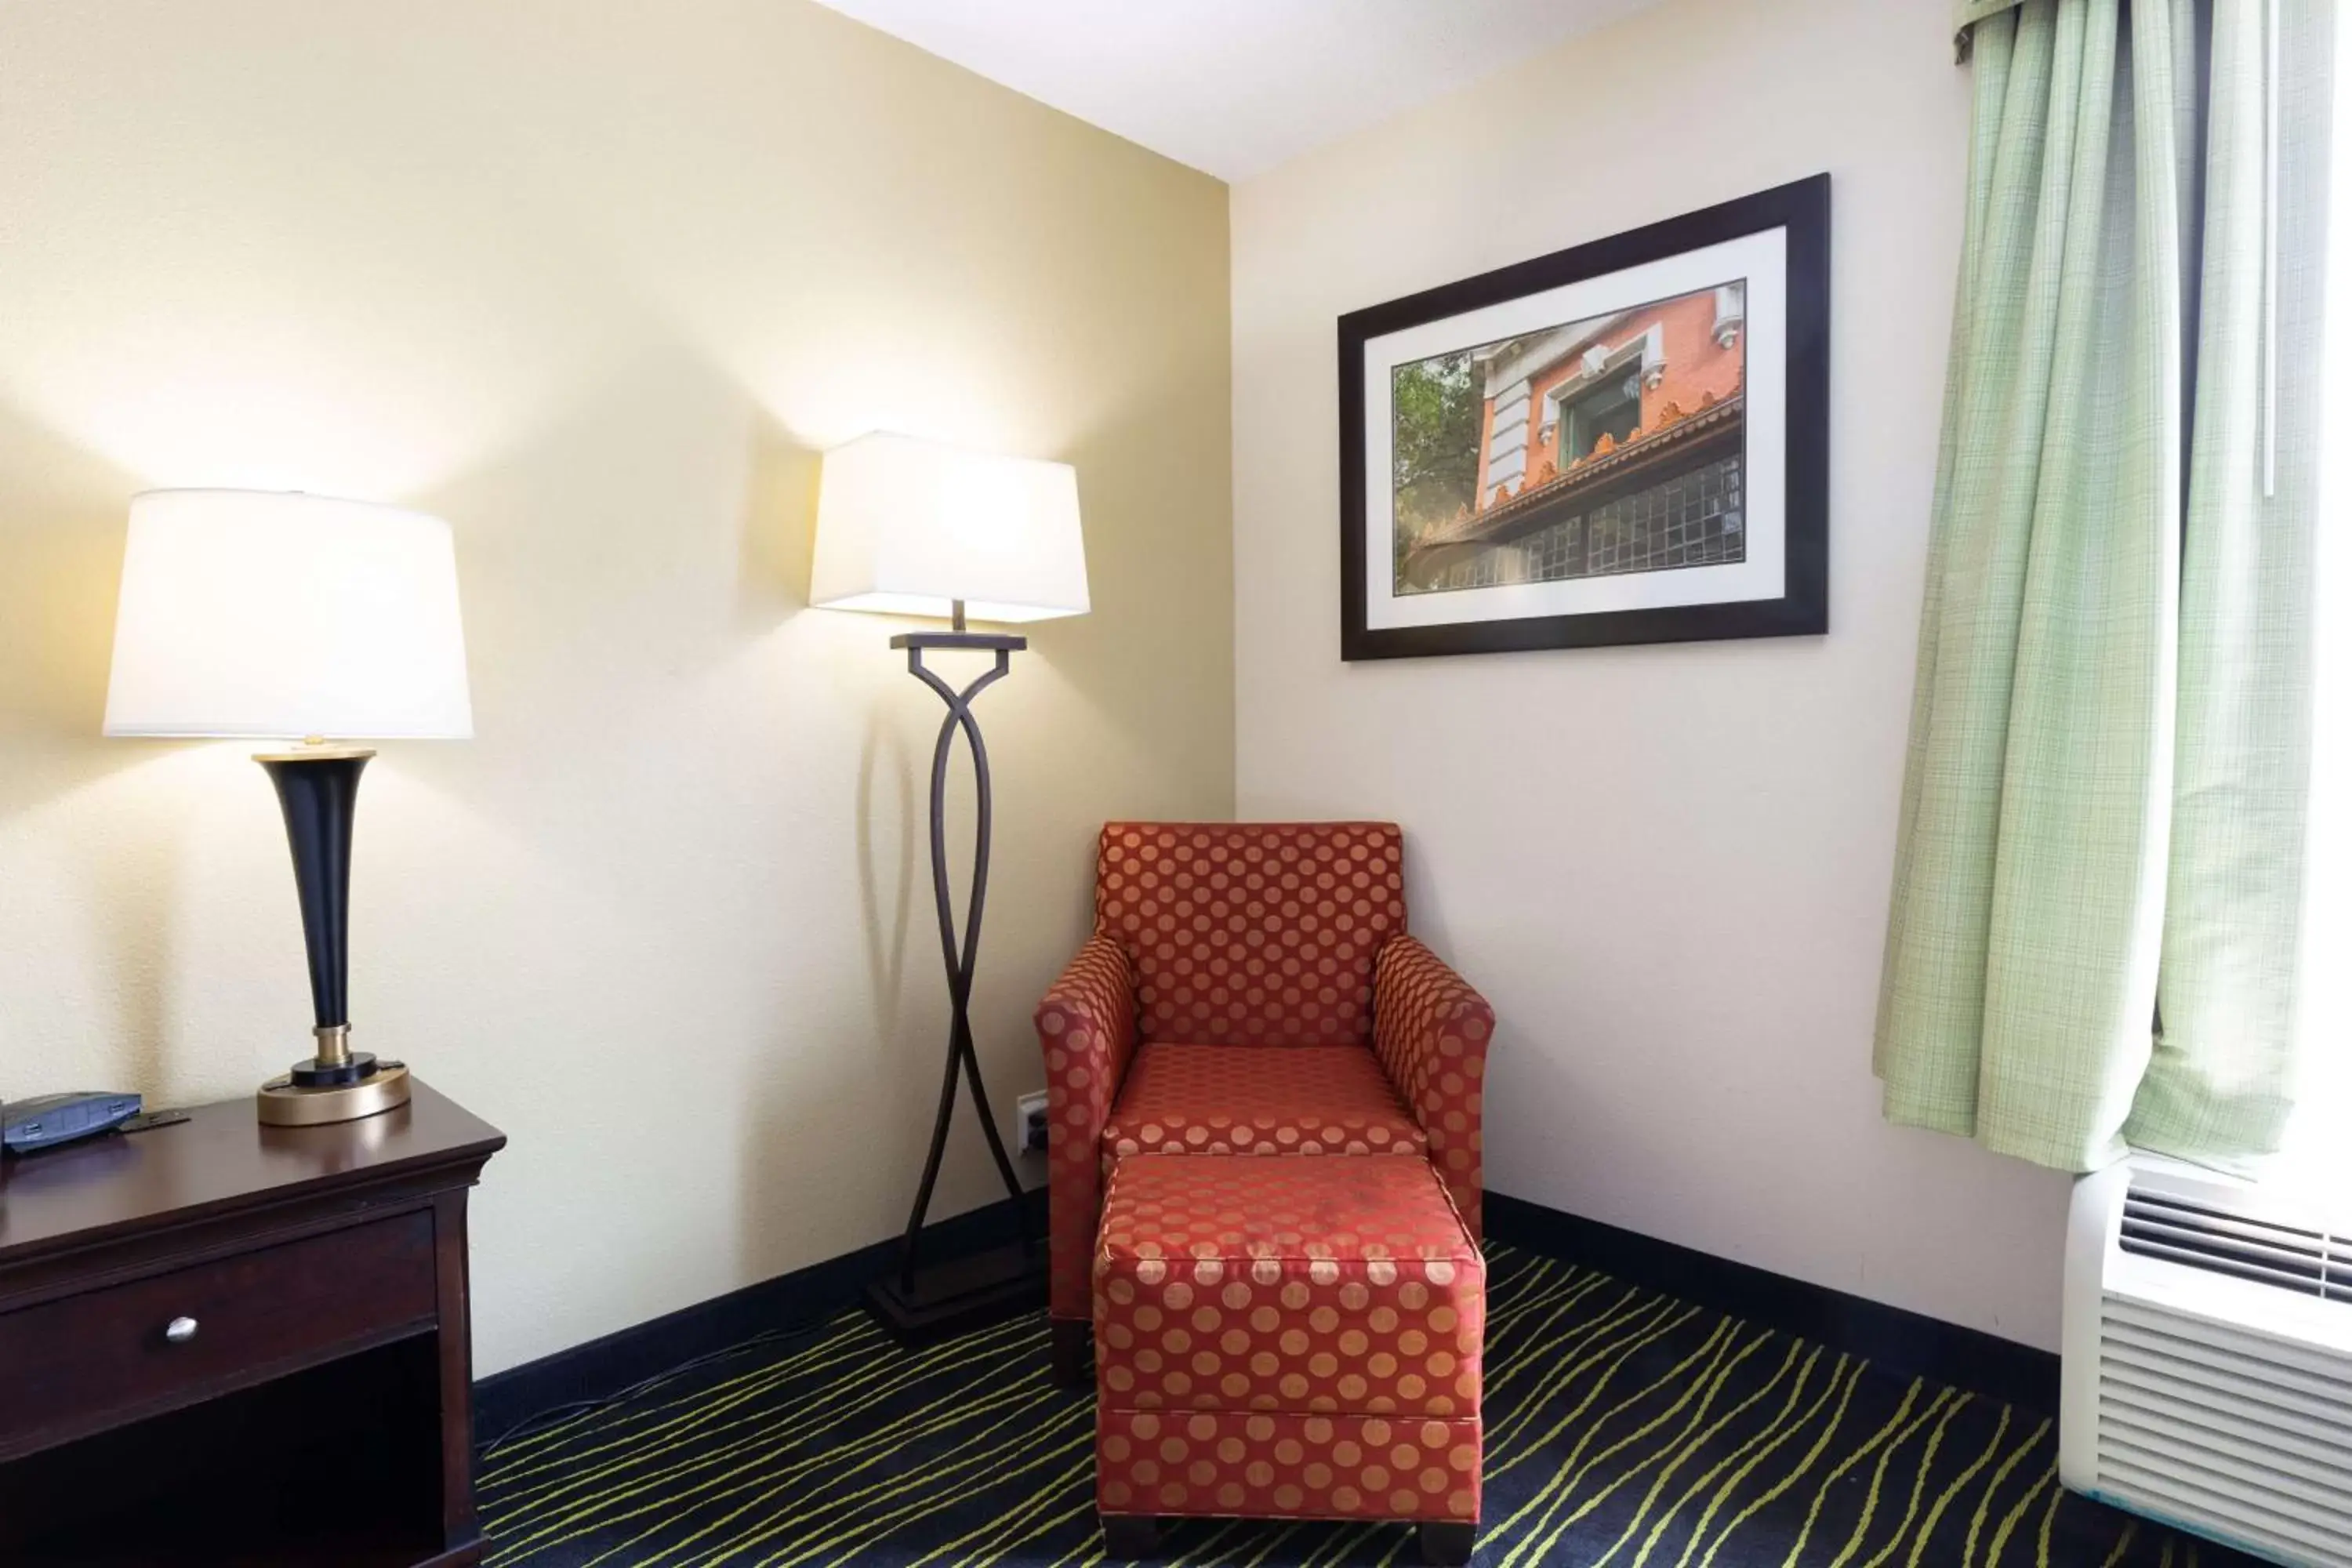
x=957 y=1295
x=318 y=789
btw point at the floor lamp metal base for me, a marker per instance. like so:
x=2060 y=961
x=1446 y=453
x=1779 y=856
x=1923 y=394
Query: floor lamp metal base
x=958 y=1295
x=282 y=1102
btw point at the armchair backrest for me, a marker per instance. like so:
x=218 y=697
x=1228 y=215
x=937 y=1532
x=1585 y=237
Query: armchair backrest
x=1251 y=932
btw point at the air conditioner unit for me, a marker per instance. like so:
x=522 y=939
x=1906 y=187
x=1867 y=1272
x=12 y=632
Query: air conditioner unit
x=2206 y=1364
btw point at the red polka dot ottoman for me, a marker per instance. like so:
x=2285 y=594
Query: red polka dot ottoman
x=1287 y=1339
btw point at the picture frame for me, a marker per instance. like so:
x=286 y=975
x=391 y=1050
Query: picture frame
x=1623 y=442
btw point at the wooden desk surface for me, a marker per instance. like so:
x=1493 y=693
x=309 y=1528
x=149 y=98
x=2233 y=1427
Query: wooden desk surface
x=220 y=1158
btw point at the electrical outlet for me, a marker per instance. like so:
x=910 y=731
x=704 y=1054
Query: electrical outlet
x=1032 y=1122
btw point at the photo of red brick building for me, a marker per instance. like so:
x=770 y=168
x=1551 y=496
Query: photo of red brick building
x=1605 y=446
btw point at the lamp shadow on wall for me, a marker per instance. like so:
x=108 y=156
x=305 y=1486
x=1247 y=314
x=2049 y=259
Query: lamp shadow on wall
x=61 y=540
x=63 y=527
x=778 y=526
x=878 y=1057
x=777 y=548
x=1424 y=906
x=890 y=1060
x=1140 y=642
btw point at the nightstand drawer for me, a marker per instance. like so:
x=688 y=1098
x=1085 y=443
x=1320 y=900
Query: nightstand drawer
x=80 y=1362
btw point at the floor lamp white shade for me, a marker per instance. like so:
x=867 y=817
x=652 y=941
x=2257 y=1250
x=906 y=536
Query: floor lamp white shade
x=279 y=617
x=908 y=527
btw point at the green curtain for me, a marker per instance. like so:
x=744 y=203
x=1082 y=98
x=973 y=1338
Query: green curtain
x=2103 y=801
x=1966 y=13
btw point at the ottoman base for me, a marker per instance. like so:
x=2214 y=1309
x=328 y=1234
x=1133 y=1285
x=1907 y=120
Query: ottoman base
x=1248 y=1465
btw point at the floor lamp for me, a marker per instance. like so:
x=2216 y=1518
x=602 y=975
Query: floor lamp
x=915 y=528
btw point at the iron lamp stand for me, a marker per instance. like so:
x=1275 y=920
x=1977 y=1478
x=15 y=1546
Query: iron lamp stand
x=914 y=1302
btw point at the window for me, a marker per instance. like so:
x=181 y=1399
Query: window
x=1614 y=409
x=2321 y=1142
x=1554 y=552
x=1694 y=519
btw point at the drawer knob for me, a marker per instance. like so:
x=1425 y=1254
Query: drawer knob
x=179 y=1330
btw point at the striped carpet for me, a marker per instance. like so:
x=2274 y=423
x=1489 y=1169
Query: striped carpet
x=1623 y=1427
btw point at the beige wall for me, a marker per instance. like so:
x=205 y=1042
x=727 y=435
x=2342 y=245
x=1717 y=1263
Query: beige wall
x=594 y=283
x=1667 y=867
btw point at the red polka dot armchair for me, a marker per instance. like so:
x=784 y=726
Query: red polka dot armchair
x=1250 y=989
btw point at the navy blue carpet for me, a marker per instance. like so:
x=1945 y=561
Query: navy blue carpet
x=1623 y=1427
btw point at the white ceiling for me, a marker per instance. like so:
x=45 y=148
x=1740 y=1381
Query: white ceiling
x=1233 y=87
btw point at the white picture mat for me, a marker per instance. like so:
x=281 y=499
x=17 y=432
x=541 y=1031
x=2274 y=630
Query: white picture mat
x=1761 y=261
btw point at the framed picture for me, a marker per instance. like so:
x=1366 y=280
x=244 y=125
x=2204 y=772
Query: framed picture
x=1626 y=442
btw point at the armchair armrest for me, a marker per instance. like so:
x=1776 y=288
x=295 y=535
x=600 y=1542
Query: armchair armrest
x=1430 y=1030
x=1085 y=1028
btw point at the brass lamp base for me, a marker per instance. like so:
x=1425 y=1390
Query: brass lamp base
x=282 y=1102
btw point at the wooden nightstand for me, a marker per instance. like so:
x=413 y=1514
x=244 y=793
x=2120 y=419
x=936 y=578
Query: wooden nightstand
x=221 y=1341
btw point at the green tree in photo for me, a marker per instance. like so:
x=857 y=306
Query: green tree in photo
x=1436 y=444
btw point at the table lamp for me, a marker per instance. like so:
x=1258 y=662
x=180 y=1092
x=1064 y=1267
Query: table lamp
x=315 y=623
x=915 y=528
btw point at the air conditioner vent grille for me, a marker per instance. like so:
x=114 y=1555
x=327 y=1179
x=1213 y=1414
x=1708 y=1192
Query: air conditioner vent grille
x=2243 y=1435
x=2223 y=1410
x=2197 y=1236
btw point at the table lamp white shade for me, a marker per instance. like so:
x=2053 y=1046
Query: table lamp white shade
x=280 y=616
x=907 y=527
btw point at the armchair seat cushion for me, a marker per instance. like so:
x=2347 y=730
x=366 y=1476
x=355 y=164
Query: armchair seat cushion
x=1258 y=1100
